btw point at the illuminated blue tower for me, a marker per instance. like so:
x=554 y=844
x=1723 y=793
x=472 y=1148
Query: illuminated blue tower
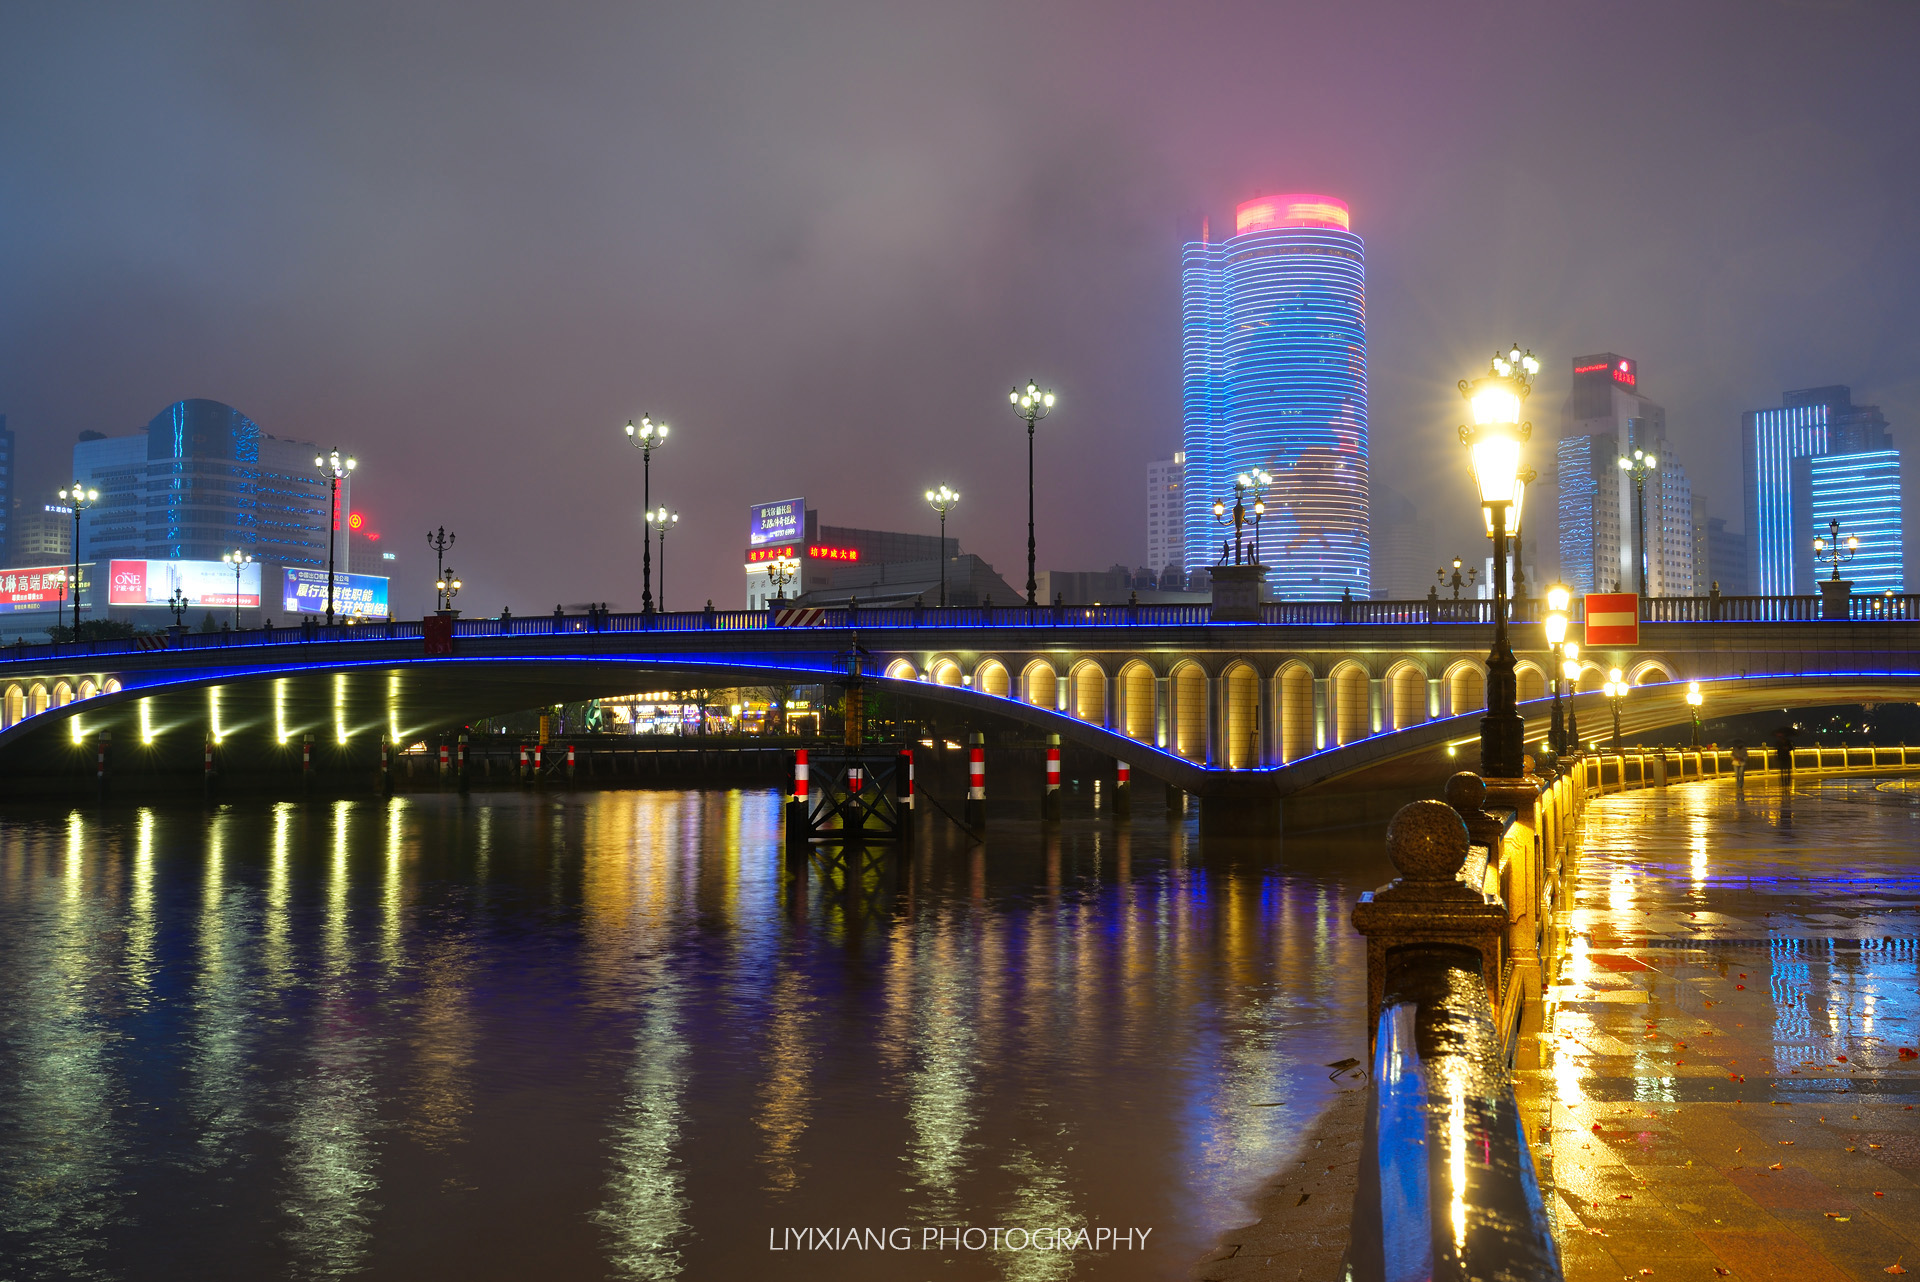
x=1819 y=457
x=1274 y=356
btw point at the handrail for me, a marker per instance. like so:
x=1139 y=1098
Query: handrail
x=1361 y=613
x=1447 y=1187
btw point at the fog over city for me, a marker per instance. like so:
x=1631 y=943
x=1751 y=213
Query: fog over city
x=469 y=242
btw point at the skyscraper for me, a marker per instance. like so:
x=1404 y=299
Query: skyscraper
x=1610 y=417
x=7 y=464
x=201 y=481
x=1815 y=458
x=1274 y=353
x=1166 y=517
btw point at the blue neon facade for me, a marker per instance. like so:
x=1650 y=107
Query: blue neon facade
x=1274 y=376
x=1862 y=492
x=1770 y=442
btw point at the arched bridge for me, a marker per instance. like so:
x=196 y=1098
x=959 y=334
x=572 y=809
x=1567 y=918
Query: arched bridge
x=1319 y=695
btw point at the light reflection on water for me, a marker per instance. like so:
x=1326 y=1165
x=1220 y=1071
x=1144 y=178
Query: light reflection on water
x=613 y=1035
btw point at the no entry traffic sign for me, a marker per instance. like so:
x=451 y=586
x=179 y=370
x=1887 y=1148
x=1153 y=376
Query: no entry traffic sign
x=1613 y=618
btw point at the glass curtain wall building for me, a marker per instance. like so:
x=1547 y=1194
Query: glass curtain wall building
x=1274 y=357
x=1609 y=417
x=1814 y=458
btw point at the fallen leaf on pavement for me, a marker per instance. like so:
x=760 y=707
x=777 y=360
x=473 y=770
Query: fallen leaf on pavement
x=1777 y=1166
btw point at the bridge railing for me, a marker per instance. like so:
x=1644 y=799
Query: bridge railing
x=1435 y=612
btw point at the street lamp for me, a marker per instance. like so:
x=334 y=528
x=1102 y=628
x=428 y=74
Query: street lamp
x=645 y=435
x=1032 y=404
x=1493 y=442
x=1243 y=515
x=178 y=603
x=1559 y=596
x=779 y=576
x=439 y=540
x=335 y=469
x=1523 y=478
x=942 y=501
x=1616 y=689
x=1570 y=672
x=445 y=588
x=239 y=561
x=1259 y=479
x=1693 y=704
x=1637 y=467
x=79 y=497
x=659 y=521
x=1828 y=547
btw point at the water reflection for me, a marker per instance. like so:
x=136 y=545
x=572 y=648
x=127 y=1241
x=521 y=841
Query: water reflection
x=621 y=1034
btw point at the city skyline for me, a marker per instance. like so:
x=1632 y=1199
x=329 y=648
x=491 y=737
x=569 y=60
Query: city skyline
x=380 y=290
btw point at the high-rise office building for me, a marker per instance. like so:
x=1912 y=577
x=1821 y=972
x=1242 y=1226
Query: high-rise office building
x=1274 y=376
x=1403 y=549
x=7 y=463
x=1166 y=518
x=201 y=481
x=1815 y=458
x=1609 y=417
x=1726 y=559
x=42 y=534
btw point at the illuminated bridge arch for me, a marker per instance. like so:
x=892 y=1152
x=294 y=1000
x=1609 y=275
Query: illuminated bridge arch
x=945 y=671
x=1530 y=682
x=1187 y=717
x=1347 y=697
x=902 y=670
x=1137 y=691
x=991 y=677
x=1466 y=687
x=1407 y=694
x=1240 y=716
x=1087 y=692
x=1040 y=684
x=1649 y=672
x=1294 y=693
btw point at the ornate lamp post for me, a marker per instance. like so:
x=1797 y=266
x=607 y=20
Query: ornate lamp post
x=445 y=588
x=1243 y=515
x=178 y=603
x=942 y=501
x=660 y=520
x=439 y=540
x=1638 y=466
x=645 y=435
x=1570 y=672
x=1616 y=689
x=1494 y=440
x=239 y=561
x=1694 y=700
x=1259 y=479
x=779 y=575
x=1828 y=547
x=335 y=469
x=1559 y=596
x=1032 y=404
x=80 y=497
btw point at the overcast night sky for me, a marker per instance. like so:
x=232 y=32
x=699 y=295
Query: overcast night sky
x=469 y=241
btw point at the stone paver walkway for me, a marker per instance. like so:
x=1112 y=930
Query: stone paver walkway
x=1729 y=1086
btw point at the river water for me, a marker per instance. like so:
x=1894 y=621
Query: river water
x=612 y=1035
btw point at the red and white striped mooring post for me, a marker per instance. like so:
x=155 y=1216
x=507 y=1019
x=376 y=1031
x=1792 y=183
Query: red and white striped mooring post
x=1050 y=799
x=100 y=759
x=569 y=763
x=1122 y=790
x=446 y=755
x=306 y=760
x=977 y=782
x=797 y=804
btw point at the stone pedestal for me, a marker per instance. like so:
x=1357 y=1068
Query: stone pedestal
x=1236 y=593
x=1835 y=596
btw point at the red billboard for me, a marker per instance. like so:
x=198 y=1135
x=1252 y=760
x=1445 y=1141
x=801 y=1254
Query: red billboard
x=38 y=587
x=1613 y=618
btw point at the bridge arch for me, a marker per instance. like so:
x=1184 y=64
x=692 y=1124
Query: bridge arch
x=111 y=687
x=1347 y=693
x=1040 y=684
x=991 y=678
x=1294 y=686
x=62 y=694
x=1407 y=691
x=87 y=688
x=1530 y=682
x=1592 y=677
x=1135 y=690
x=15 y=709
x=1649 y=672
x=1466 y=687
x=901 y=670
x=945 y=672
x=1087 y=692
x=1189 y=713
x=37 y=699
x=1240 y=716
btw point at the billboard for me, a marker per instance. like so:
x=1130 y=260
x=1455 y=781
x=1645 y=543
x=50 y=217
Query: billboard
x=782 y=522
x=1613 y=618
x=38 y=587
x=208 y=583
x=365 y=595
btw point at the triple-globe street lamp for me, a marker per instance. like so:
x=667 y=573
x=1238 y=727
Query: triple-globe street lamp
x=1244 y=514
x=445 y=588
x=336 y=468
x=1493 y=441
x=943 y=501
x=1638 y=467
x=1031 y=403
x=1616 y=690
x=79 y=497
x=659 y=521
x=1559 y=597
x=645 y=435
x=439 y=540
x=1829 y=547
x=239 y=561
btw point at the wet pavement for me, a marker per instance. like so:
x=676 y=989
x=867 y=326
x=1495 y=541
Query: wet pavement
x=1730 y=1086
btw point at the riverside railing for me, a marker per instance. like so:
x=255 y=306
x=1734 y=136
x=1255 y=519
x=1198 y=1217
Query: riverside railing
x=1429 y=612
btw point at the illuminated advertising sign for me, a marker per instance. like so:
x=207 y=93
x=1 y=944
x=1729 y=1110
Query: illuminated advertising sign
x=820 y=552
x=206 y=583
x=361 y=595
x=1626 y=372
x=781 y=522
x=757 y=555
x=39 y=587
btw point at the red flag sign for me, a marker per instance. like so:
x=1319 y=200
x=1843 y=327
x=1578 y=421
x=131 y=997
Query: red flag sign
x=1613 y=618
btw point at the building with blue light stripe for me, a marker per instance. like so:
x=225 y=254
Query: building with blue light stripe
x=1274 y=376
x=1816 y=458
